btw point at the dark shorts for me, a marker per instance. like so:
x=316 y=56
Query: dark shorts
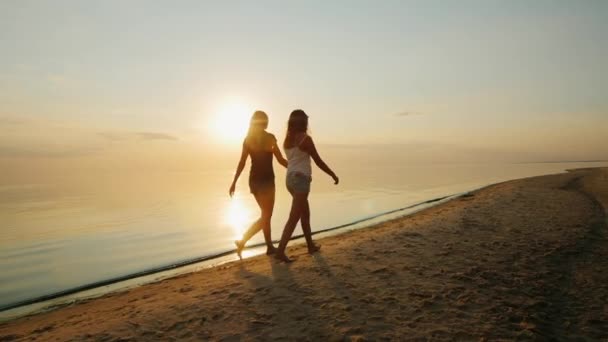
x=258 y=186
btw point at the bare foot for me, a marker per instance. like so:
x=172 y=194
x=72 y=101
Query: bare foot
x=314 y=249
x=239 y=248
x=282 y=257
x=270 y=250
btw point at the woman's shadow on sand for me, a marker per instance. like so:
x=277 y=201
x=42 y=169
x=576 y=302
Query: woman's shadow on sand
x=285 y=309
x=280 y=308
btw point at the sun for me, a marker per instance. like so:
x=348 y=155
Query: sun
x=231 y=121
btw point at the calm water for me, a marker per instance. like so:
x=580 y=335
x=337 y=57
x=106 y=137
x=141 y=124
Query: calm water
x=73 y=230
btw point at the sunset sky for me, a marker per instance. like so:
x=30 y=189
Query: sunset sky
x=517 y=80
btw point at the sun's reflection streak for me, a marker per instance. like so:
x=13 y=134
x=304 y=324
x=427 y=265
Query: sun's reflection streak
x=238 y=216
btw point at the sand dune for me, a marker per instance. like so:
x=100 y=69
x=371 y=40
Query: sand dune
x=522 y=259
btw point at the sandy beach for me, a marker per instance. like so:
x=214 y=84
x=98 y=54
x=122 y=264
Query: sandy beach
x=524 y=259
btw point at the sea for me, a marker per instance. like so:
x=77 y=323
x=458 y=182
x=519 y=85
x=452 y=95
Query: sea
x=69 y=233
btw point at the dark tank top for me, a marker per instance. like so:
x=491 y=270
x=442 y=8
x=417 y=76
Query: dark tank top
x=261 y=165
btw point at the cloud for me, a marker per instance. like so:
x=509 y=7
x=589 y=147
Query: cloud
x=113 y=136
x=118 y=136
x=24 y=67
x=155 y=136
x=46 y=152
x=61 y=81
x=406 y=113
x=12 y=121
x=120 y=111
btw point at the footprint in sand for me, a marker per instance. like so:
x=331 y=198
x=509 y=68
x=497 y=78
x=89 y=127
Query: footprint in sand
x=44 y=329
x=186 y=289
x=216 y=292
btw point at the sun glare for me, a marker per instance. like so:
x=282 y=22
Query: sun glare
x=238 y=217
x=231 y=122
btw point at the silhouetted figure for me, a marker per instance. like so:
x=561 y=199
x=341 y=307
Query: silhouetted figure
x=299 y=149
x=260 y=146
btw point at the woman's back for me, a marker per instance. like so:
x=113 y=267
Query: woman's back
x=298 y=160
x=260 y=149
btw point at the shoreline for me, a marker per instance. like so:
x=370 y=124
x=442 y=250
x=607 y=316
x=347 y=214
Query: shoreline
x=50 y=301
x=71 y=296
x=488 y=264
x=207 y=261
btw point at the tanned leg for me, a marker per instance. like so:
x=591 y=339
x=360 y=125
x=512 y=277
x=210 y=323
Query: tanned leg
x=265 y=200
x=266 y=203
x=305 y=219
x=253 y=229
x=294 y=216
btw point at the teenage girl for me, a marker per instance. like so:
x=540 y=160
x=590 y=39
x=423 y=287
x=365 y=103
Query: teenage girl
x=300 y=149
x=260 y=146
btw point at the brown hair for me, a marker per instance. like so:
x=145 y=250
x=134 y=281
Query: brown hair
x=298 y=123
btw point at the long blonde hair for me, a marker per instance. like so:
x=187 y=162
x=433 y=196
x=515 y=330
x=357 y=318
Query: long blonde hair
x=257 y=128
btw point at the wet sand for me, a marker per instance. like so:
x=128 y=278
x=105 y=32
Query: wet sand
x=522 y=259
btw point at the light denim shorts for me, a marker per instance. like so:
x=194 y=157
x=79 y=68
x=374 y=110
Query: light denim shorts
x=298 y=183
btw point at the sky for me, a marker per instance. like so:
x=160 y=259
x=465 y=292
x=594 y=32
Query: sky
x=113 y=82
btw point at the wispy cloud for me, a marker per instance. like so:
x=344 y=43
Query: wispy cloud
x=406 y=113
x=11 y=121
x=120 y=136
x=61 y=81
x=113 y=136
x=46 y=152
x=155 y=136
x=24 y=67
x=121 y=111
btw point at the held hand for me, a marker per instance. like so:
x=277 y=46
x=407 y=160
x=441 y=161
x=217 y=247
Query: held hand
x=231 y=191
x=336 y=179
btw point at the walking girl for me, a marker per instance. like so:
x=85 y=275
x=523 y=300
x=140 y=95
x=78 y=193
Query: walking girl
x=300 y=149
x=260 y=146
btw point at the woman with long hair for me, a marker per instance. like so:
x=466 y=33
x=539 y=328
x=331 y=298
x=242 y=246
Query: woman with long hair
x=300 y=148
x=260 y=146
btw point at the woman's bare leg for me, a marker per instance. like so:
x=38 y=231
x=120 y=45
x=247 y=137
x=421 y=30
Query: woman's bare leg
x=305 y=220
x=266 y=203
x=265 y=200
x=253 y=229
x=297 y=206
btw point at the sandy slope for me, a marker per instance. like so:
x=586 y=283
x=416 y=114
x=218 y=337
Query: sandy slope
x=522 y=259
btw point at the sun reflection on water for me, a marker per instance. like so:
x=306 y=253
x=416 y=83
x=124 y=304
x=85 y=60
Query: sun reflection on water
x=238 y=216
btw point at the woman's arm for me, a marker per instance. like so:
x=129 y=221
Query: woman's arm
x=277 y=153
x=239 y=168
x=309 y=146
